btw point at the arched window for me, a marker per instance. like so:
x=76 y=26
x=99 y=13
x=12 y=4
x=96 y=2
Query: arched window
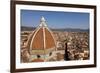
x=38 y=56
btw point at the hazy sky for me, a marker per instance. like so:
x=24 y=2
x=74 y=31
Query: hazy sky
x=55 y=19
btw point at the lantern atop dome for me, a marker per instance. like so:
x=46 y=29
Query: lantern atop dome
x=43 y=22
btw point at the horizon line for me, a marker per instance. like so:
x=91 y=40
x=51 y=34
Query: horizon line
x=59 y=28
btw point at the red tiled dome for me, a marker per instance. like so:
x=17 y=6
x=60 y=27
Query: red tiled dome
x=42 y=37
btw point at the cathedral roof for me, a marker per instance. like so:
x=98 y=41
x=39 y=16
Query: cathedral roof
x=42 y=38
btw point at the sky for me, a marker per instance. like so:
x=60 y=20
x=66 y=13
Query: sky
x=31 y=18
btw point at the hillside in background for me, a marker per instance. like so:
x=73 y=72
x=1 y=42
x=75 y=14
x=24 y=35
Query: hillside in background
x=25 y=28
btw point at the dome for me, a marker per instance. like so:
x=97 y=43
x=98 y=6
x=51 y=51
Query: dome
x=42 y=40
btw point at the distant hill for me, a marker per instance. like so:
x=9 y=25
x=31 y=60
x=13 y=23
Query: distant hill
x=72 y=30
x=25 y=28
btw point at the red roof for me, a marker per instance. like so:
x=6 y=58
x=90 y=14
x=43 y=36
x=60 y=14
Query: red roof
x=37 y=60
x=37 y=42
x=42 y=37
